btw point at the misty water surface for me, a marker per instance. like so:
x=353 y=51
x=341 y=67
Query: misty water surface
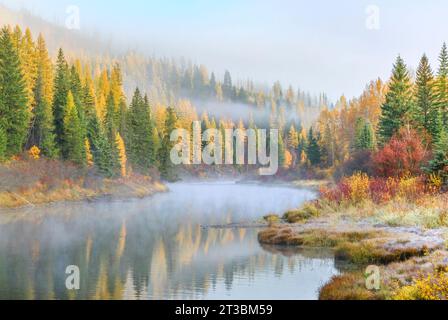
x=157 y=248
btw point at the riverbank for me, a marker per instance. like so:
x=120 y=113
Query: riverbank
x=406 y=235
x=405 y=254
x=39 y=182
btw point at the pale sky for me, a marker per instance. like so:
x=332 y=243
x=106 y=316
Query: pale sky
x=320 y=45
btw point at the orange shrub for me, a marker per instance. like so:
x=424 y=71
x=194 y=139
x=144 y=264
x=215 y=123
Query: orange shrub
x=360 y=187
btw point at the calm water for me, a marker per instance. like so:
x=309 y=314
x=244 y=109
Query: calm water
x=157 y=249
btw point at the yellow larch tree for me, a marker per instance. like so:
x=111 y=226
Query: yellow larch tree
x=89 y=156
x=121 y=154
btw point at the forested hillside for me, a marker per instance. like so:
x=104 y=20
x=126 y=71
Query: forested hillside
x=79 y=111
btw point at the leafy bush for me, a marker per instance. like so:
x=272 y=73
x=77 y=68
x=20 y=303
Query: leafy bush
x=359 y=188
x=308 y=211
x=404 y=155
x=271 y=218
x=431 y=287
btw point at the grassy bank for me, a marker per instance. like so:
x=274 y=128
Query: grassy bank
x=397 y=224
x=35 y=182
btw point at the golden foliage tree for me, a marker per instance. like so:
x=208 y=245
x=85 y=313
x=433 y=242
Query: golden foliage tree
x=121 y=154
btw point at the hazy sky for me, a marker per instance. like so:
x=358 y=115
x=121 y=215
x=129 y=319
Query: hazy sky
x=319 y=45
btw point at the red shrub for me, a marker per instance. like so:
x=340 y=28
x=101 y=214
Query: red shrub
x=402 y=156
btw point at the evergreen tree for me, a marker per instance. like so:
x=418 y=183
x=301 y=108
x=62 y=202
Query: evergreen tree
x=14 y=112
x=139 y=132
x=301 y=149
x=89 y=101
x=441 y=86
x=328 y=148
x=78 y=96
x=110 y=119
x=212 y=85
x=61 y=89
x=425 y=112
x=313 y=150
x=439 y=164
x=156 y=145
x=101 y=149
x=395 y=111
x=74 y=145
x=227 y=85
x=42 y=134
x=364 y=136
x=165 y=164
x=281 y=151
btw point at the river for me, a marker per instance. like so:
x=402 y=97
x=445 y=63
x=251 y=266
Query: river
x=159 y=248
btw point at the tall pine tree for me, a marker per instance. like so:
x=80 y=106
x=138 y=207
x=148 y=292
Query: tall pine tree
x=364 y=136
x=395 y=111
x=165 y=164
x=61 y=89
x=441 y=86
x=139 y=132
x=74 y=145
x=42 y=133
x=14 y=112
x=425 y=112
x=313 y=150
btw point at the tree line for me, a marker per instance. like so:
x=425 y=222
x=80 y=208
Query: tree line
x=69 y=112
x=407 y=110
x=56 y=108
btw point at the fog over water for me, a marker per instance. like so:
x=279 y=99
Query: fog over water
x=159 y=248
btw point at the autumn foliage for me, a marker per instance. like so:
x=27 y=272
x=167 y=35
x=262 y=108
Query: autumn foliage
x=402 y=156
x=360 y=187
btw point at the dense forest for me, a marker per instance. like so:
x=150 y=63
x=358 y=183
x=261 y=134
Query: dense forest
x=80 y=112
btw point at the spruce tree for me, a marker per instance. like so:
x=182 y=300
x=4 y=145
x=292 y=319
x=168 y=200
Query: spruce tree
x=101 y=148
x=425 y=111
x=281 y=150
x=313 y=150
x=89 y=102
x=42 y=134
x=395 y=110
x=110 y=119
x=78 y=96
x=14 y=112
x=441 y=87
x=364 y=136
x=165 y=164
x=439 y=164
x=227 y=85
x=74 y=146
x=139 y=132
x=61 y=89
x=327 y=146
x=156 y=145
